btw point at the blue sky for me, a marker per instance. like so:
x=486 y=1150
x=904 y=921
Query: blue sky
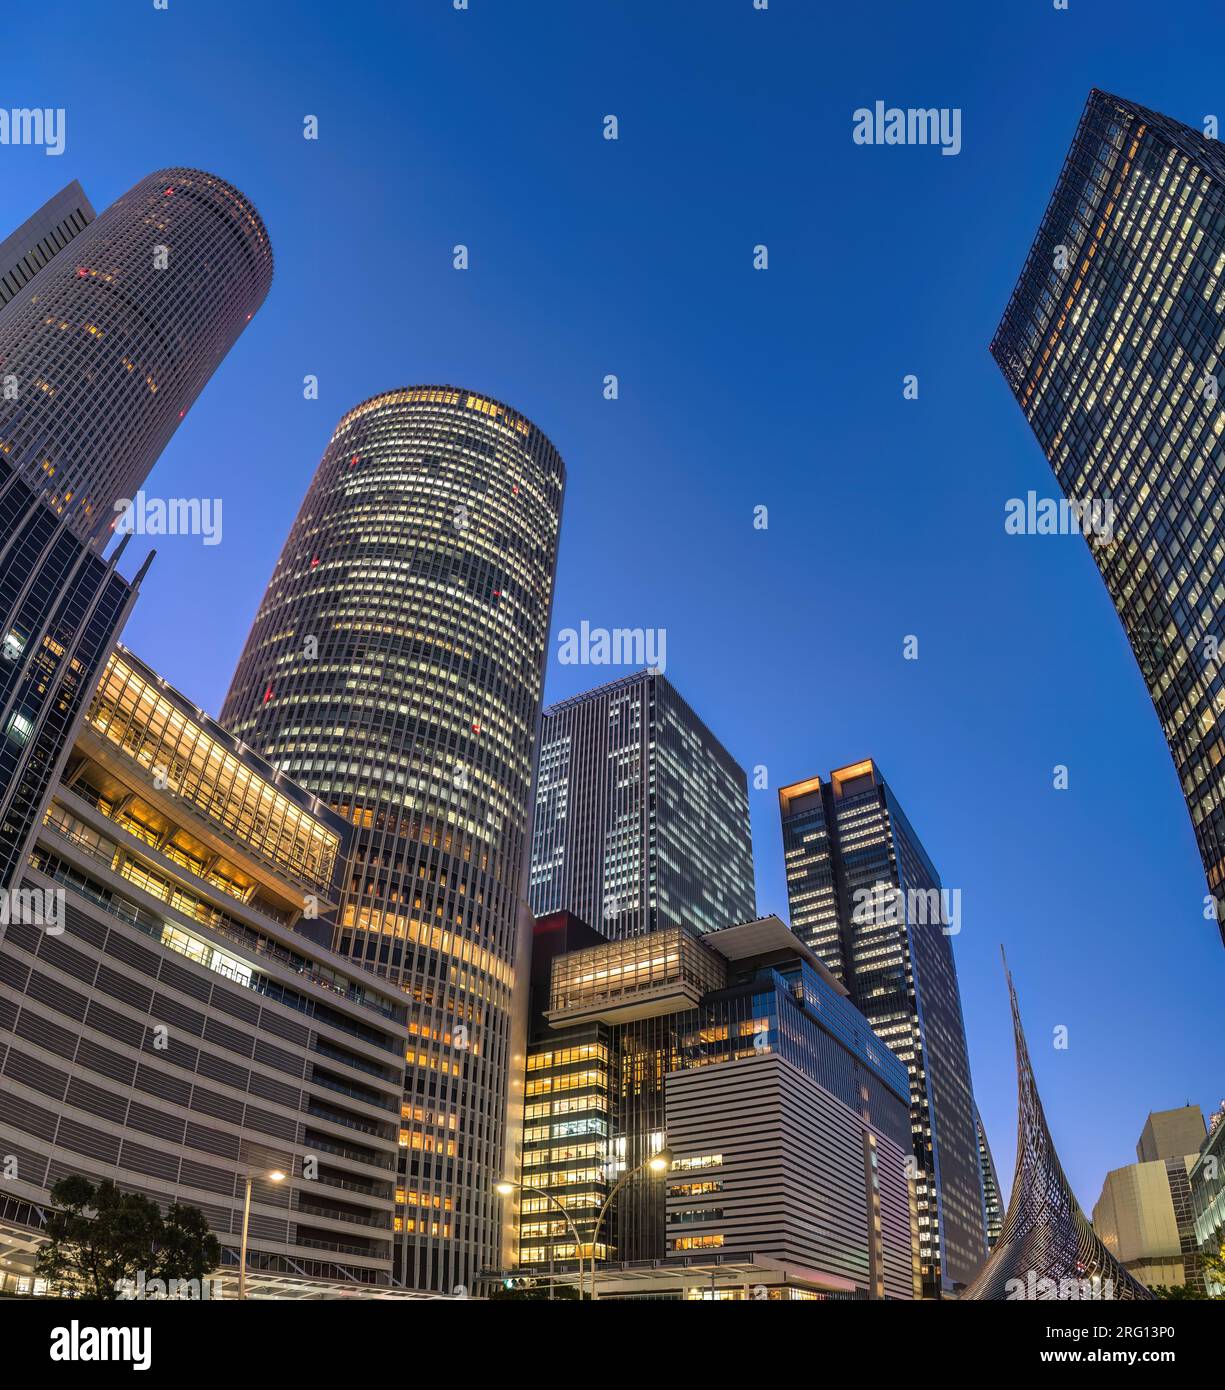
x=738 y=389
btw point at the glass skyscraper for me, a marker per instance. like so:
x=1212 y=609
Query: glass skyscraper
x=395 y=668
x=1046 y=1249
x=110 y=343
x=24 y=253
x=787 y=1118
x=104 y=344
x=866 y=898
x=642 y=816
x=1111 y=344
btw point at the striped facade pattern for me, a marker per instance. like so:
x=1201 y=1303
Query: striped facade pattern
x=799 y=1177
x=844 y=839
x=641 y=816
x=87 y=1089
x=110 y=343
x=396 y=667
x=35 y=242
x=179 y=1031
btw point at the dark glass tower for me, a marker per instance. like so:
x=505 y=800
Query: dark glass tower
x=642 y=816
x=1111 y=344
x=395 y=668
x=101 y=353
x=866 y=898
x=993 y=1203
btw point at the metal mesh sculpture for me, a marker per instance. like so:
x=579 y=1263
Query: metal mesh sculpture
x=1047 y=1249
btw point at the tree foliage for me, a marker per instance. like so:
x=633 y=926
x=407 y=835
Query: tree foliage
x=98 y=1236
x=1213 y=1267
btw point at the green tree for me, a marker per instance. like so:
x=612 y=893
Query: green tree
x=1213 y=1267
x=98 y=1236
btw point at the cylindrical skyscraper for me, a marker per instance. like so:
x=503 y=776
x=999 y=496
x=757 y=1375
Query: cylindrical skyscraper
x=111 y=328
x=107 y=347
x=395 y=668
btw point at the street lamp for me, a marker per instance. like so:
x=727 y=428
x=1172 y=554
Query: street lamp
x=273 y=1175
x=508 y=1185
x=658 y=1164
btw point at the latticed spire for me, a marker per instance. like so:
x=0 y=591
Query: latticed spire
x=1047 y=1249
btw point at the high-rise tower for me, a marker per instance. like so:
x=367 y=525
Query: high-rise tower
x=110 y=343
x=395 y=668
x=866 y=898
x=992 y=1201
x=42 y=236
x=1111 y=344
x=111 y=328
x=642 y=816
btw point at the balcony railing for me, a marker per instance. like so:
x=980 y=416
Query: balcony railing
x=225 y=926
x=380 y=1220
x=327 y=1146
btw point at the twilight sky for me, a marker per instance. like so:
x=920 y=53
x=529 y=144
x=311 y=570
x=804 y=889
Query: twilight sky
x=738 y=389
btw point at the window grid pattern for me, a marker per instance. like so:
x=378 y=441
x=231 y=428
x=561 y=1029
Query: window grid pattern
x=1112 y=344
x=112 y=341
x=395 y=668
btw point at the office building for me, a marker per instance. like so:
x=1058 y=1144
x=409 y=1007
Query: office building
x=395 y=668
x=24 y=253
x=1143 y=1215
x=1171 y=1134
x=61 y=606
x=164 y=1023
x=104 y=344
x=1047 y=1250
x=738 y=1052
x=1111 y=344
x=993 y=1203
x=642 y=816
x=1208 y=1197
x=865 y=897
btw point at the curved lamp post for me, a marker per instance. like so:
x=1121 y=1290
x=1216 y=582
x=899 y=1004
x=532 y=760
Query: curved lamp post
x=273 y=1175
x=509 y=1185
x=658 y=1164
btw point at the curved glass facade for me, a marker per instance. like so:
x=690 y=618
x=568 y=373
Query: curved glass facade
x=1112 y=345
x=395 y=668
